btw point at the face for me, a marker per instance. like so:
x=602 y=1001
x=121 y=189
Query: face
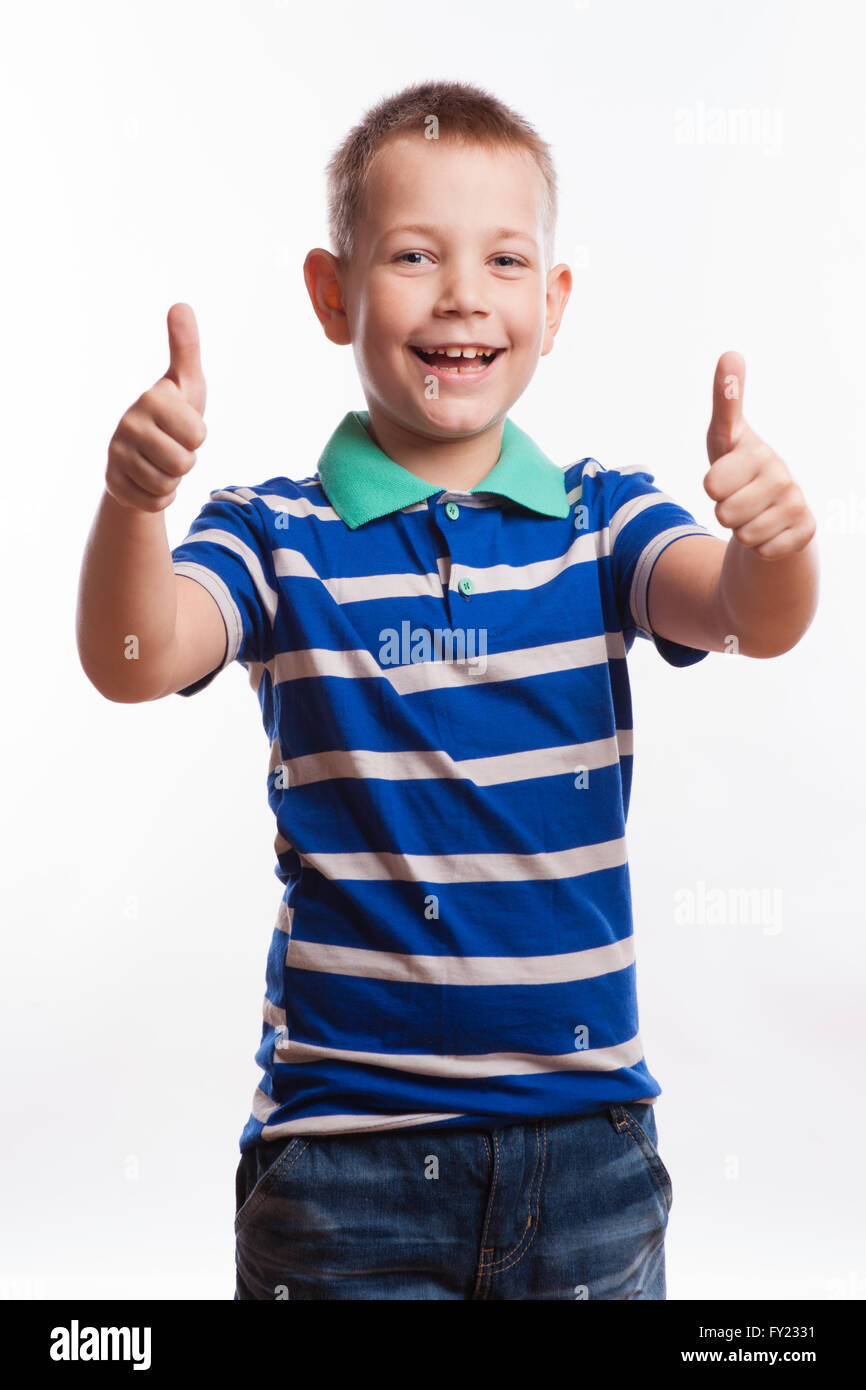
x=450 y=252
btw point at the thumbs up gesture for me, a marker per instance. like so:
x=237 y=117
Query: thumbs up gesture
x=155 y=442
x=755 y=495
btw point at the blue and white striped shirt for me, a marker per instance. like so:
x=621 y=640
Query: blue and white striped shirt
x=442 y=678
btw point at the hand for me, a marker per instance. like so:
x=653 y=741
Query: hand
x=154 y=443
x=755 y=495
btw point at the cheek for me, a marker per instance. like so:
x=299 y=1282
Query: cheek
x=374 y=342
x=396 y=315
x=383 y=340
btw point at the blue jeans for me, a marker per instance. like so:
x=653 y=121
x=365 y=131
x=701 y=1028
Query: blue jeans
x=570 y=1208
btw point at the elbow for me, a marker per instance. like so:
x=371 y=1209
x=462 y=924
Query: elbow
x=94 y=677
x=115 y=695
x=763 y=652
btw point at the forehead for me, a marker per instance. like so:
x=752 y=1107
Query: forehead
x=448 y=183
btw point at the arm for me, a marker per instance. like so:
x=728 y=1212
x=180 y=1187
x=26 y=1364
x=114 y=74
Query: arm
x=769 y=604
x=704 y=591
x=142 y=630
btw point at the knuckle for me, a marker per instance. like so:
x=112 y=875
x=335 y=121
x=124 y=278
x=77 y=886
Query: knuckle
x=188 y=462
x=196 y=430
x=173 y=467
x=126 y=424
x=183 y=464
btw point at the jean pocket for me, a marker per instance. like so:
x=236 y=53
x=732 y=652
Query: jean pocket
x=286 y=1157
x=625 y=1120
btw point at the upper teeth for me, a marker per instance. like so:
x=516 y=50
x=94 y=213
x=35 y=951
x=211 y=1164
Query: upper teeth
x=463 y=351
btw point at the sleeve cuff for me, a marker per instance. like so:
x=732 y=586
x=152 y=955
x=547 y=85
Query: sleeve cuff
x=218 y=590
x=644 y=567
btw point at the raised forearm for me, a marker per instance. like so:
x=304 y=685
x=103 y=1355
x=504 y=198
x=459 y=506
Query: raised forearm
x=127 y=603
x=768 y=604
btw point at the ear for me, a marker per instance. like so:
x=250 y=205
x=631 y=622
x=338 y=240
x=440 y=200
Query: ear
x=322 y=274
x=559 y=284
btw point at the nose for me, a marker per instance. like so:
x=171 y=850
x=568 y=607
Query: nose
x=461 y=291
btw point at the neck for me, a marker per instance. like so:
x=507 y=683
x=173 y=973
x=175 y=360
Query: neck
x=455 y=464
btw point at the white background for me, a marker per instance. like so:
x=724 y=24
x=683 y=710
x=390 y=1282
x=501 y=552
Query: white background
x=156 y=152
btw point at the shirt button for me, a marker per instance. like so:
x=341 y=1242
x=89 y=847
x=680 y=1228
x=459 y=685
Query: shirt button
x=465 y=585
x=452 y=511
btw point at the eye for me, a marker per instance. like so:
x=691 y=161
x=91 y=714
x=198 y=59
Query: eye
x=515 y=261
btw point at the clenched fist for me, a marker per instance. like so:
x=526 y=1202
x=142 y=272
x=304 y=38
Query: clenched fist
x=155 y=442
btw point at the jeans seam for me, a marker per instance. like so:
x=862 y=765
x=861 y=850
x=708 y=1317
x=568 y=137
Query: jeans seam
x=661 y=1177
x=513 y=1257
x=267 y=1179
x=484 y=1249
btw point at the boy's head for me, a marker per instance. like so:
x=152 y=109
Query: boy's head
x=442 y=209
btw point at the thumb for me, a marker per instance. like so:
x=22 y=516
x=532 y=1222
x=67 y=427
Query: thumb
x=726 y=423
x=185 y=356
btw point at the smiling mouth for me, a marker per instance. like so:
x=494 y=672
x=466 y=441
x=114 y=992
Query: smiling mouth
x=457 y=366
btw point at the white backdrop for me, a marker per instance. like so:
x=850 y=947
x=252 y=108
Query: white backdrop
x=713 y=196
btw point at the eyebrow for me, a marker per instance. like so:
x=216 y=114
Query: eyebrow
x=426 y=229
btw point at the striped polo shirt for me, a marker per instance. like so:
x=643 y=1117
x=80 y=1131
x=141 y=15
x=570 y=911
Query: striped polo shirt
x=443 y=682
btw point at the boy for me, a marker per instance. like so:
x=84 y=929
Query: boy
x=454 y=1102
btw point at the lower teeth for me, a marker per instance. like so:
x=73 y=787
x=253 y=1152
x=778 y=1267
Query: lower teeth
x=478 y=366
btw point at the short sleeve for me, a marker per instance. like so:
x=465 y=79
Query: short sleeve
x=642 y=522
x=226 y=551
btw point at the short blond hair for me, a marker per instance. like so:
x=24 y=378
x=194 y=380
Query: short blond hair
x=465 y=113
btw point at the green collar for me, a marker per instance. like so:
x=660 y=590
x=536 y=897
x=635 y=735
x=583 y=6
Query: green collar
x=362 y=483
